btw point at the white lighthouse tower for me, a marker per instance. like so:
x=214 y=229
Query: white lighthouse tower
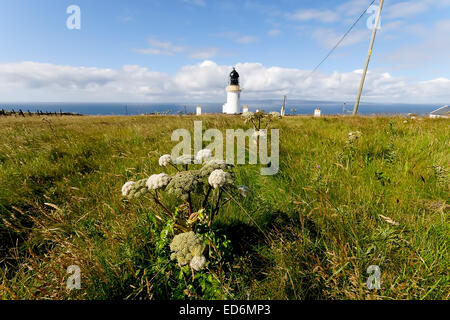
x=233 y=95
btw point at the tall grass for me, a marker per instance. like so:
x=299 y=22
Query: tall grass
x=334 y=208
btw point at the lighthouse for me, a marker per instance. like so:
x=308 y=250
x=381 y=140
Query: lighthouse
x=233 y=95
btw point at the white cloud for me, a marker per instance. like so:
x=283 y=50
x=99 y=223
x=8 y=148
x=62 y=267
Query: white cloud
x=262 y=7
x=126 y=18
x=434 y=87
x=314 y=14
x=406 y=9
x=349 y=10
x=158 y=47
x=205 y=81
x=352 y=8
x=443 y=3
x=161 y=48
x=273 y=32
x=246 y=39
x=238 y=38
x=432 y=46
x=48 y=82
x=204 y=54
x=328 y=37
x=344 y=14
x=200 y=3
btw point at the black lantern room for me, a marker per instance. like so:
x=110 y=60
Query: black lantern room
x=234 y=78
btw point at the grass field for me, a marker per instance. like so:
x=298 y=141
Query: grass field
x=334 y=208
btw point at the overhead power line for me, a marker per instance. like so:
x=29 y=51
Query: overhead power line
x=340 y=40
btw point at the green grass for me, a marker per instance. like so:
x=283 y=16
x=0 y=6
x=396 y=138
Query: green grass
x=60 y=205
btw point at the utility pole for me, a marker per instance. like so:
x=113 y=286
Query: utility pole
x=283 y=106
x=372 y=40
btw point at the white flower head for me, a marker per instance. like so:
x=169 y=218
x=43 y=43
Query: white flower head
x=184 y=159
x=186 y=246
x=215 y=161
x=274 y=114
x=243 y=191
x=356 y=134
x=164 y=160
x=247 y=116
x=261 y=133
x=127 y=187
x=198 y=262
x=217 y=178
x=204 y=154
x=158 y=181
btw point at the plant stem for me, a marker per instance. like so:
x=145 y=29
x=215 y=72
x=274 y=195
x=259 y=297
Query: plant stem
x=216 y=209
x=190 y=203
x=206 y=196
x=155 y=197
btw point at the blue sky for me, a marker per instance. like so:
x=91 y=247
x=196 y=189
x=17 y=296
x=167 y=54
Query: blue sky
x=183 y=49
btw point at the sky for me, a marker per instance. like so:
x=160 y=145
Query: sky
x=183 y=50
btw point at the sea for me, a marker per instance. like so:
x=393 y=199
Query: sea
x=299 y=107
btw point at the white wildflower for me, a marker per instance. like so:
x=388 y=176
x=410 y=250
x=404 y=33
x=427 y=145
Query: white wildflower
x=355 y=134
x=215 y=161
x=184 y=159
x=127 y=187
x=261 y=133
x=157 y=181
x=204 y=154
x=198 y=262
x=217 y=178
x=243 y=191
x=212 y=165
x=274 y=114
x=186 y=246
x=247 y=116
x=164 y=160
x=183 y=183
x=135 y=189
